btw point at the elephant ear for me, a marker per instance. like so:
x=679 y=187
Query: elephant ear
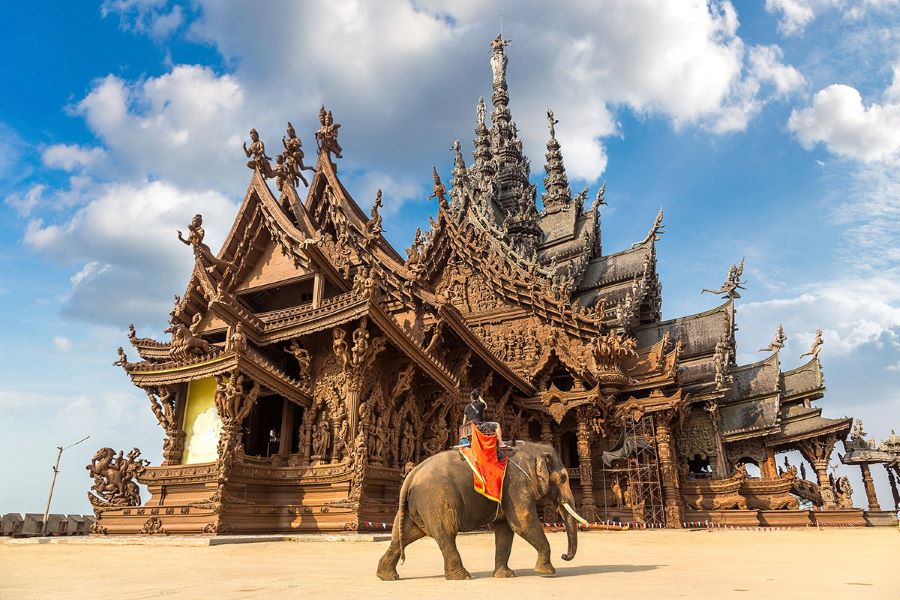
x=542 y=475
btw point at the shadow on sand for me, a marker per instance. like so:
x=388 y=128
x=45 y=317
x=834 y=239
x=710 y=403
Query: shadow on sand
x=560 y=571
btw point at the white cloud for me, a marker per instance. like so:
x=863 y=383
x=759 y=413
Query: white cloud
x=795 y=15
x=25 y=203
x=426 y=64
x=840 y=120
x=145 y=16
x=70 y=157
x=182 y=127
x=124 y=244
x=62 y=344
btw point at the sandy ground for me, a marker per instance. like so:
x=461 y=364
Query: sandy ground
x=856 y=563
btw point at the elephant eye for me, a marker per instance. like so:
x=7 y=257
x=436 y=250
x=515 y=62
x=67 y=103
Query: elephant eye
x=563 y=477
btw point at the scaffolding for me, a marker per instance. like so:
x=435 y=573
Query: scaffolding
x=642 y=469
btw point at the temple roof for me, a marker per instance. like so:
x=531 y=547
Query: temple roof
x=805 y=381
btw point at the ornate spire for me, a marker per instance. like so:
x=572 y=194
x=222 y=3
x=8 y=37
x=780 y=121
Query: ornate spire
x=557 y=193
x=457 y=176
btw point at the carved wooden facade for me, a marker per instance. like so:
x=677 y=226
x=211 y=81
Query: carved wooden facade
x=311 y=365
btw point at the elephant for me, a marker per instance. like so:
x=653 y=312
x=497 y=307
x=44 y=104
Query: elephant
x=437 y=499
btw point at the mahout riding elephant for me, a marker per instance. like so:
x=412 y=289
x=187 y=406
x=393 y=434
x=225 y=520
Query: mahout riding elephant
x=438 y=499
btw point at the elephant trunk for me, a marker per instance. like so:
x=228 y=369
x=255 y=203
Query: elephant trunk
x=569 y=518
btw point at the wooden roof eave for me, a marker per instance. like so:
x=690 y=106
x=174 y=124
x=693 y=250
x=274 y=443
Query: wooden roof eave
x=453 y=318
x=406 y=345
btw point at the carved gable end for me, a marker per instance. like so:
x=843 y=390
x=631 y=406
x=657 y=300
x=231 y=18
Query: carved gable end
x=272 y=266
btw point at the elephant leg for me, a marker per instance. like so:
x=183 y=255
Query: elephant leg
x=387 y=566
x=503 y=538
x=530 y=529
x=453 y=567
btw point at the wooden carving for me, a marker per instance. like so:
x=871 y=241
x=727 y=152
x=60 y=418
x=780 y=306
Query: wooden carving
x=114 y=477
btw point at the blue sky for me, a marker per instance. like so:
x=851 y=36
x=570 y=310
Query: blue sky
x=765 y=131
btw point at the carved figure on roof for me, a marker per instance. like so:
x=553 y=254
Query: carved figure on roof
x=303 y=357
x=480 y=111
x=256 y=152
x=599 y=199
x=551 y=123
x=659 y=228
x=499 y=60
x=132 y=334
x=816 y=346
x=373 y=226
x=364 y=281
x=439 y=191
x=858 y=433
x=732 y=283
x=293 y=150
x=777 y=342
x=237 y=340
x=202 y=254
x=722 y=359
x=340 y=347
x=184 y=343
x=123 y=359
x=327 y=134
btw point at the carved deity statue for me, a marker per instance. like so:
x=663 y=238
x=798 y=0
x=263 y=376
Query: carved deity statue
x=327 y=134
x=551 y=123
x=184 y=344
x=843 y=493
x=114 y=477
x=237 y=341
x=123 y=359
x=202 y=254
x=373 y=226
x=303 y=357
x=290 y=163
x=480 y=112
x=407 y=444
x=322 y=437
x=256 y=152
x=732 y=283
x=816 y=346
x=777 y=342
x=439 y=191
x=339 y=345
x=499 y=60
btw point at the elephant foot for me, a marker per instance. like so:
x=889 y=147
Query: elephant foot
x=504 y=572
x=458 y=575
x=386 y=575
x=544 y=569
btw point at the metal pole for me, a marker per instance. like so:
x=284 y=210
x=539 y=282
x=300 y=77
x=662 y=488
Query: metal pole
x=53 y=484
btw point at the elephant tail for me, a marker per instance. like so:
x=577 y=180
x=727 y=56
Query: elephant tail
x=401 y=511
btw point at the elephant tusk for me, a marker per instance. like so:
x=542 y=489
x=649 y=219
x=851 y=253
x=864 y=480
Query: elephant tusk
x=572 y=512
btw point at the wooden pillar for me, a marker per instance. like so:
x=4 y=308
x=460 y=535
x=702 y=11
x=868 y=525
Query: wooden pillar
x=284 y=436
x=821 y=468
x=870 y=487
x=318 y=290
x=818 y=452
x=669 y=471
x=893 y=481
x=770 y=468
x=583 y=435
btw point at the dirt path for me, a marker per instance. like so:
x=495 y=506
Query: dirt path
x=860 y=563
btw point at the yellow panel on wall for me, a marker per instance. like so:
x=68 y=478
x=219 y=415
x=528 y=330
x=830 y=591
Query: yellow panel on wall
x=202 y=424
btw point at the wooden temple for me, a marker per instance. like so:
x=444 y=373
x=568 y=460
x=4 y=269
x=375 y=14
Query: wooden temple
x=311 y=365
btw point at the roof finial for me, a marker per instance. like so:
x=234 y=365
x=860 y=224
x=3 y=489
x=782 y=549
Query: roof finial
x=551 y=123
x=498 y=61
x=480 y=111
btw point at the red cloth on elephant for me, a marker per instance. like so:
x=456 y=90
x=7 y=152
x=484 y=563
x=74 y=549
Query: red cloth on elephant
x=488 y=472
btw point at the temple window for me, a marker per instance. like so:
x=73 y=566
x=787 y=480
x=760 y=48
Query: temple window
x=699 y=467
x=751 y=465
x=262 y=428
